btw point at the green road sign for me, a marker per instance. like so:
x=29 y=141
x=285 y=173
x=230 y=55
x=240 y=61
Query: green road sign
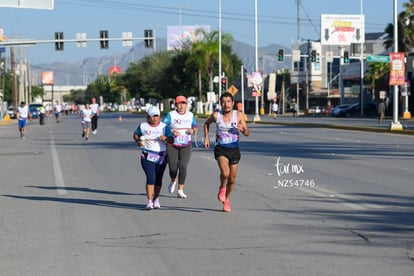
x=378 y=58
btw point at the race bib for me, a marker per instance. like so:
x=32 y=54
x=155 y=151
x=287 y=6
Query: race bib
x=155 y=157
x=182 y=140
x=228 y=138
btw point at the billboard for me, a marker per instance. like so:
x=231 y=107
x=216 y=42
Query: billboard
x=177 y=36
x=48 y=78
x=342 y=29
x=28 y=4
x=114 y=70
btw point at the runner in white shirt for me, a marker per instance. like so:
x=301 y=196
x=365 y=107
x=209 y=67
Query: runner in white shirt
x=150 y=137
x=58 y=110
x=86 y=115
x=22 y=115
x=95 y=111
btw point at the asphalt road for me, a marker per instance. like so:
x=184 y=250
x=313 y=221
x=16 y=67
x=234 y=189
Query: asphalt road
x=308 y=201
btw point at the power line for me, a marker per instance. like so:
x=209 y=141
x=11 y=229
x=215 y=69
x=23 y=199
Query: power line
x=133 y=7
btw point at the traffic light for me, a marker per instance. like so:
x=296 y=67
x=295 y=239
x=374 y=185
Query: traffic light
x=224 y=85
x=103 y=39
x=59 y=41
x=280 y=55
x=313 y=56
x=148 y=39
x=346 y=57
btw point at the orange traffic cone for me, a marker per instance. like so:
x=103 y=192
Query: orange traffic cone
x=120 y=118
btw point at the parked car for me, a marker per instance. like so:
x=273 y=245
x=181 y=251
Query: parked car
x=336 y=109
x=11 y=113
x=34 y=110
x=370 y=109
x=315 y=110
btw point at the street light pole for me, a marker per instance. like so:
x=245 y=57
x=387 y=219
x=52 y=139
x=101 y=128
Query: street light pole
x=220 y=73
x=256 y=117
x=361 y=59
x=395 y=125
x=262 y=96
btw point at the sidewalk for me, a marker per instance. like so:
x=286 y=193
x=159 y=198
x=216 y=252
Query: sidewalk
x=354 y=123
x=7 y=122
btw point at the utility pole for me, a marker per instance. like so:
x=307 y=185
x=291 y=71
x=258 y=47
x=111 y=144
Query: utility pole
x=256 y=67
x=14 y=78
x=262 y=111
x=22 y=95
x=298 y=20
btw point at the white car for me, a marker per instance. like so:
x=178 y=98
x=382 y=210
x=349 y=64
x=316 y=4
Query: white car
x=315 y=110
x=10 y=112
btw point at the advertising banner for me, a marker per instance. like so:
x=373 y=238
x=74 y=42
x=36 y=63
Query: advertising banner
x=397 y=69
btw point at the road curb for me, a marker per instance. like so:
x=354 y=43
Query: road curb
x=334 y=126
x=6 y=122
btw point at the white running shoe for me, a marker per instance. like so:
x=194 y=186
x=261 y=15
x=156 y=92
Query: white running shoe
x=150 y=205
x=156 y=203
x=94 y=132
x=171 y=187
x=181 y=194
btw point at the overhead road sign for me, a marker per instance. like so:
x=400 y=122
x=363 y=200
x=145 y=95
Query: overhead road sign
x=340 y=29
x=378 y=58
x=29 y=4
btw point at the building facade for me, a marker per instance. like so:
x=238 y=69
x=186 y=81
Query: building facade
x=328 y=80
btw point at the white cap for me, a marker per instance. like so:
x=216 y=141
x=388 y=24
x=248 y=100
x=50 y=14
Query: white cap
x=153 y=110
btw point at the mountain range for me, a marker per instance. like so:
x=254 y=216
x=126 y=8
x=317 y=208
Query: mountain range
x=86 y=70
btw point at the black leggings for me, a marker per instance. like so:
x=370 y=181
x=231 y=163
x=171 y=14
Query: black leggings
x=94 y=122
x=178 y=159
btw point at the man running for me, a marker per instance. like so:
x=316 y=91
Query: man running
x=22 y=115
x=229 y=124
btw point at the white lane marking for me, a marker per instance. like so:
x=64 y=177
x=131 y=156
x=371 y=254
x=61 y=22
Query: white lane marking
x=60 y=182
x=322 y=194
x=345 y=200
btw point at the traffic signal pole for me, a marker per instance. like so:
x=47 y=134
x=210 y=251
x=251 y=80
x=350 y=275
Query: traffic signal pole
x=33 y=42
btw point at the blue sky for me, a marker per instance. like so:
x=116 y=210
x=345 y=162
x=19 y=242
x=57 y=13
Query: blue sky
x=277 y=21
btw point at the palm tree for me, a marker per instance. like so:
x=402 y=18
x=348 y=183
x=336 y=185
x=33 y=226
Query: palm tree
x=389 y=43
x=405 y=23
x=204 y=53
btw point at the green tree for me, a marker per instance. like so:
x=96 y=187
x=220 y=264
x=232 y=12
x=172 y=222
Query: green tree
x=146 y=78
x=6 y=81
x=37 y=91
x=377 y=76
x=205 y=55
x=179 y=76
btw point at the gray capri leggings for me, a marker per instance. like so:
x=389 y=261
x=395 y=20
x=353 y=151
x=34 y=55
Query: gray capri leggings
x=178 y=159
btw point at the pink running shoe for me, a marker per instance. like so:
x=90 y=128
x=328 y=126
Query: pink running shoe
x=222 y=195
x=226 y=206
